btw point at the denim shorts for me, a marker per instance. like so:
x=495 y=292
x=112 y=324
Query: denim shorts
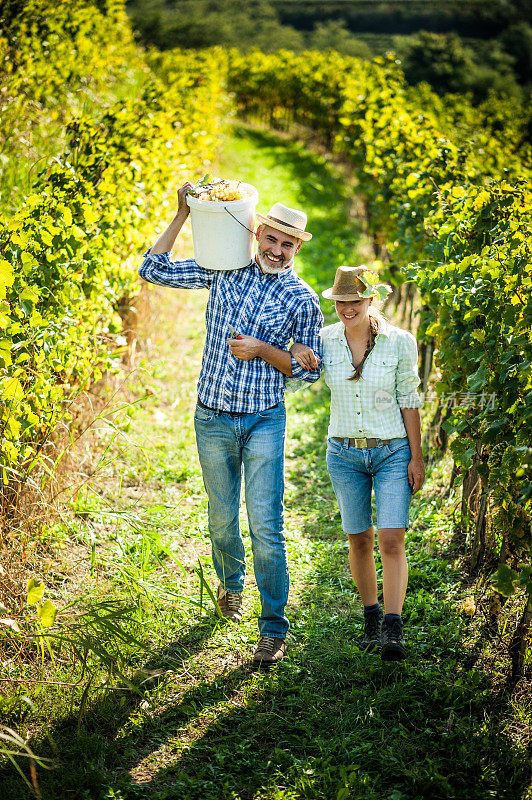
x=355 y=472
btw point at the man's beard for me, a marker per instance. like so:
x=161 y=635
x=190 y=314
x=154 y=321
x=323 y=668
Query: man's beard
x=272 y=269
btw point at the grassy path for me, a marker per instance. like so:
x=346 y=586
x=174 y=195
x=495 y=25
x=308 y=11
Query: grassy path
x=330 y=723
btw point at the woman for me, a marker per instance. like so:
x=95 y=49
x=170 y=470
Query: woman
x=374 y=440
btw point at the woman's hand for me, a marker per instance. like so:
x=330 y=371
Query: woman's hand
x=416 y=467
x=305 y=356
x=416 y=474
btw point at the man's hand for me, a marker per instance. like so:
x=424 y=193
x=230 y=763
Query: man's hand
x=416 y=474
x=166 y=240
x=182 y=207
x=305 y=356
x=245 y=348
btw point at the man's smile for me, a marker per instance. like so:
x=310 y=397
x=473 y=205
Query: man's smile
x=272 y=263
x=274 y=259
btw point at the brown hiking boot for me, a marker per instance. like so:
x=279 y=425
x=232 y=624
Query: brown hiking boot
x=230 y=604
x=269 y=651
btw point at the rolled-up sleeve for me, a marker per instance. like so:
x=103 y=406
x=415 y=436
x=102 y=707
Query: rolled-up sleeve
x=407 y=372
x=186 y=274
x=306 y=331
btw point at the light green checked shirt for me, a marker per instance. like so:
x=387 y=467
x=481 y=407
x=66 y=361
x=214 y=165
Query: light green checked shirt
x=371 y=406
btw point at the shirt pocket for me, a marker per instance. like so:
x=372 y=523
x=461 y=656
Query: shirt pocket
x=386 y=372
x=228 y=294
x=336 y=369
x=274 y=325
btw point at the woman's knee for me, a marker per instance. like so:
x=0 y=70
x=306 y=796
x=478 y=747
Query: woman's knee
x=362 y=542
x=392 y=542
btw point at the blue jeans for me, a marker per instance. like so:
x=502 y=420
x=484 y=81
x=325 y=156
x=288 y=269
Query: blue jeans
x=255 y=442
x=353 y=474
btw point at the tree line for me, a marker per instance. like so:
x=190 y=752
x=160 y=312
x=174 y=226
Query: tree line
x=466 y=48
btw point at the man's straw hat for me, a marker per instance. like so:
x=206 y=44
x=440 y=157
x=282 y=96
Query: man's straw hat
x=347 y=285
x=287 y=220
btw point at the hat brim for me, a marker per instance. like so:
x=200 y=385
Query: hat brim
x=328 y=294
x=272 y=223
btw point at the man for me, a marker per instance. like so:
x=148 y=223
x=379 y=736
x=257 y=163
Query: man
x=240 y=416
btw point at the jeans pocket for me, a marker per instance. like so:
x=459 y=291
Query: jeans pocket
x=270 y=412
x=396 y=444
x=204 y=414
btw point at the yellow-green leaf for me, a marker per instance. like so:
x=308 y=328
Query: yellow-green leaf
x=28 y=261
x=13 y=389
x=6 y=273
x=481 y=199
x=32 y=200
x=47 y=613
x=89 y=214
x=29 y=294
x=77 y=232
x=35 y=590
x=4 y=315
x=67 y=215
x=13 y=426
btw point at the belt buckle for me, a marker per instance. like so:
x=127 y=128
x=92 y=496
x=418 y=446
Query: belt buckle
x=361 y=443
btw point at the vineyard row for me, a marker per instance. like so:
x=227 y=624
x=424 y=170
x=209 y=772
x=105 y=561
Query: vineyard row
x=446 y=193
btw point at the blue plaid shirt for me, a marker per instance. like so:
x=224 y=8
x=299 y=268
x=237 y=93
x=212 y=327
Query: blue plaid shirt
x=273 y=308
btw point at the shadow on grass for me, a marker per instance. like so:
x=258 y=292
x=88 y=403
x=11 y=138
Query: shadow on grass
x=332 y=722
x=85 y=743
x=327 y=719
x=329 y=723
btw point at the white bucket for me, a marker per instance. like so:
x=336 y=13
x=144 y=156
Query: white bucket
x=222 y=230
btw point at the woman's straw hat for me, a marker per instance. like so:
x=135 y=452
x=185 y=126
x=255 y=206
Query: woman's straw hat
x=347 y=285
x=287 y=220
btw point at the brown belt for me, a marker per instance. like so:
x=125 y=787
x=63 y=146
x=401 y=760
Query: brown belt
x=362 y=443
